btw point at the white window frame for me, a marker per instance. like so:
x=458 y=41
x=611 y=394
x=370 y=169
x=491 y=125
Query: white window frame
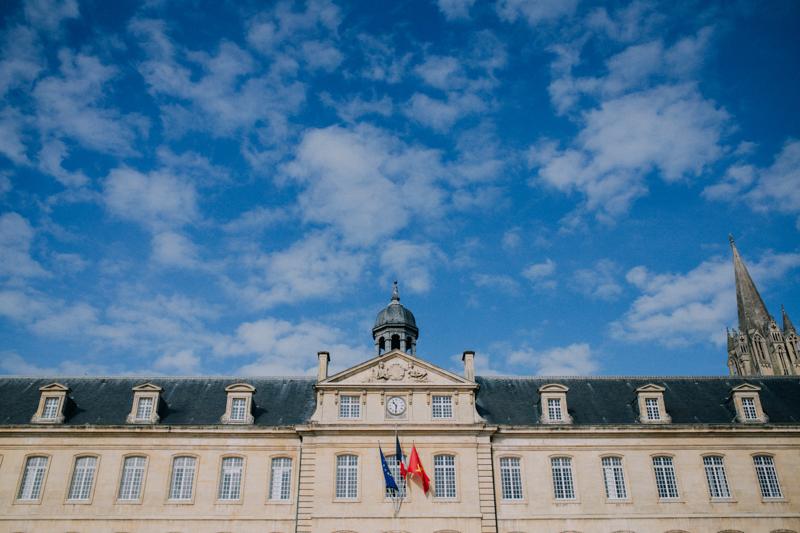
x=280 y=479
x=50 y=411
x=717 y=478
x=554 y=409
x=81 y=486
x=554 y=391
x=182 y=479
x=652 y=409
x=666 y=479
x=132 y=475
x=394 y=468
x=50 y=392
x=231 y=479
x=350 y=406
x=614 y=478
x=34 y=476
x=511 y=487
x=239 y=391
x=347 y=477
x=650 y=392
x=744 y=415
x=445 y=482
x=238 y=409
x=442 y=406
x=149 y=393
x=563 y=479
x=767 y=476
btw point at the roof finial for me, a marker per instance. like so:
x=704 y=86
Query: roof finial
x=730 y=235
x=395 y=294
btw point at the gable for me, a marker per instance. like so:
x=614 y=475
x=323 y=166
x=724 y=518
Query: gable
x=54 y=387
x=147 y=387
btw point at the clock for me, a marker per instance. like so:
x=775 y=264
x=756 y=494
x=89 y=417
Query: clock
x=396 y=405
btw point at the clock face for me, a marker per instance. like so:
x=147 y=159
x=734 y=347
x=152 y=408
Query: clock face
x=396 y=405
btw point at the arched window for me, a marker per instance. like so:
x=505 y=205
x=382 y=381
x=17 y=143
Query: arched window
x=563 y=487
x=182 y=483
x=444 y=476
x=33 y=480
x=715 y=474
x=82 y=478
x=394 y=468
x=511 y=478
x=130 y=486
x=347 y=476
x=281 y=482
x=230 y=478
x=395 y=342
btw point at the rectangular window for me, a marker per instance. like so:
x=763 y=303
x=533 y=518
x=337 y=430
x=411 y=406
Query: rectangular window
x=651 y=404
x=442 y=407
x=238 y=408
x=665 y=477
x=614 y=478
x=32 y=480
x=767 y=478
x=717 y=480
x=444 y=476
x=82 y=478
x=511 y=478
x=182 y=478
x=132 y=473
x=50 y=408
x=349 y=407
x=347 y=476
x=230 y=479
x=144 y=408
x=562 y=478
x=554 y=408
x=394 y=468
x=281 y=481
x=749 y=408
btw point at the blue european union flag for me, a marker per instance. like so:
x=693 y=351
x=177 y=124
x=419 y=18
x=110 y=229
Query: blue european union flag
x=387 y=474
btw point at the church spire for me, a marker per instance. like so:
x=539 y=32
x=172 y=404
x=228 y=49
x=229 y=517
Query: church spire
x=752 y=311
x=788 y=327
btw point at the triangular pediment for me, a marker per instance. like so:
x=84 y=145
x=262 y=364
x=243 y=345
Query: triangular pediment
x=650 y=387
x=746 y=387
x=54 y=387
x=147 y=387
x=396 y=368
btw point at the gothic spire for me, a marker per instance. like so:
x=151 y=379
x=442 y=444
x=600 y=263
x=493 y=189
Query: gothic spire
x=788 y=327
x=752 y=311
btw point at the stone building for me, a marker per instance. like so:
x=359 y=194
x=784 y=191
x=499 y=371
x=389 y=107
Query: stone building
x=504 y=454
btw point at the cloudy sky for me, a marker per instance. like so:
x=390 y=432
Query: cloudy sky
x=197 y=187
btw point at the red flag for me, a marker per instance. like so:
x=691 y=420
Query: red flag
x=415 y=467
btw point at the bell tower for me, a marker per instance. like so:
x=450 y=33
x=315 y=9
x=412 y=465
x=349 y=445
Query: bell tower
x=395 y=328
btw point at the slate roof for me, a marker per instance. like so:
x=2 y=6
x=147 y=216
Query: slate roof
x=514 y=401
x=185 y=401
x=612 y=400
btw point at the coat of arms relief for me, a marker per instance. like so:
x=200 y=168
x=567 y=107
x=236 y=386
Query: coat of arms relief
x=396 y=372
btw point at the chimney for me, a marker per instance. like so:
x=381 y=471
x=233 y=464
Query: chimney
x=469 y=365
x=324 y=359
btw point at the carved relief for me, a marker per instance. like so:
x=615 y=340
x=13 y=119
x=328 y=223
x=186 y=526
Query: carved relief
x=396 y=372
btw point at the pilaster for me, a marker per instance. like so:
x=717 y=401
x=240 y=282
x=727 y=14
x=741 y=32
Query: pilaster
x=486 y=488
x=305 y=499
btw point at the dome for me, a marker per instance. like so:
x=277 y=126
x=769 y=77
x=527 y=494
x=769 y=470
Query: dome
x=395 y=315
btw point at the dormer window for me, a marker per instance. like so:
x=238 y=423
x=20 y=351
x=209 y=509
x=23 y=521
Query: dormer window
x=650 y=400
x=145 y=404
x=747 y=403
x=554 y=404
x=51 y=404
x=239 y=407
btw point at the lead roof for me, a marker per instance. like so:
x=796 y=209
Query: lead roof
x=200 y=401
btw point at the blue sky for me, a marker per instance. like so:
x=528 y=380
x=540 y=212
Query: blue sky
x=228 y=187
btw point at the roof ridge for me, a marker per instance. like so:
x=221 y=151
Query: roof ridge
x=555 y=378
x=148 y=378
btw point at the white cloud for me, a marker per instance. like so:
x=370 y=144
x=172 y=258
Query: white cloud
x=511 y=239
x=502 y=282
x=22 y=59
x=173 y=249
x=185 y=362
x=456 y=9
x=540 y=274
x=679 y=309
x=12 y=363
x=599 y=281
x=382 y=61
x=48 y=14
x=16 y=236
x=410 y=263
x=535 y=11
x=574 y=360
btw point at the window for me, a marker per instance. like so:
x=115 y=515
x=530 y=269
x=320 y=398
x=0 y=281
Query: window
x=347 y=476
x=767 y=478
x=614 y=478
x=50 y=408
x=144 y=408
x=132 y=473
x=349 y=407
x=230 y=479
x=749 y=409
x=444 y=476
x=238 y=409
x=33 y=478
x=281 y=481
x=651 y=405
x=182 y=478
x=665 y=477
x=82 y=478
x=442 y=406
x=562 y=478
x=554 y=408
x=511 y=478
x=717 y=480
x=394 y=468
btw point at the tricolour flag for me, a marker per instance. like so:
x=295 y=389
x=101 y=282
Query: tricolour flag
x=415 y=467
x=387 y=474
x=398 y=454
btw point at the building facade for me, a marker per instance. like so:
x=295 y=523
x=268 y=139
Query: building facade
x=503 y=454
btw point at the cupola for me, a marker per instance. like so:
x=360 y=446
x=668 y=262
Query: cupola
x=395 y=328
